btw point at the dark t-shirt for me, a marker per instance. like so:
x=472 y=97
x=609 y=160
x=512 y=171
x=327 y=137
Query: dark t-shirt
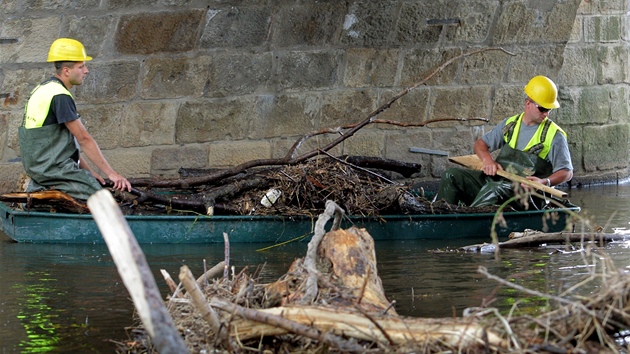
x=62 y=109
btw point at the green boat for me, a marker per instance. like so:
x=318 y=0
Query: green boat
x=45 y=227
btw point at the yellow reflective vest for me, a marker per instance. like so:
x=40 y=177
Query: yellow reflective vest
x=540 y=143
x=38 y=105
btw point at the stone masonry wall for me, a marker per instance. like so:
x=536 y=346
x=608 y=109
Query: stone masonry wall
x=202 y=84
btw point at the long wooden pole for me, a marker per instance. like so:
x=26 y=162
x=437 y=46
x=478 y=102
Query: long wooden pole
x=135 y=273
x=473 y=162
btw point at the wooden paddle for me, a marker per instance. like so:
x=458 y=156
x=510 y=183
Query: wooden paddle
x=473 y=162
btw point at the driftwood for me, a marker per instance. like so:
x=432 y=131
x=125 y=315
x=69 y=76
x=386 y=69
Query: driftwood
x=536 y=239
x=386 y=330
x=135 y=273
x=333 y=298
x=49 y=199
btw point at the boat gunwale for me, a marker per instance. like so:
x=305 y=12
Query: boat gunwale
x=21 y=213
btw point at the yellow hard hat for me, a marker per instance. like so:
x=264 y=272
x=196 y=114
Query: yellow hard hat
x=543 y=91
x=67 y=49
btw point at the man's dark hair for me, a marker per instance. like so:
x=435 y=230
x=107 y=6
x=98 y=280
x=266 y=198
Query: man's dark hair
x=60 y=64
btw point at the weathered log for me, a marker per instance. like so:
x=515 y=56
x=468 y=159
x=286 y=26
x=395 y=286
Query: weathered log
x=200 y=302
x=135 y=273
x=211 y=273
x=389 y=330
x=536 y=239
x=353 y=265
x=49 y=197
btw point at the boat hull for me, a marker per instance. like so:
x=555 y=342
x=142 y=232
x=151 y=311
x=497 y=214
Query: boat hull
x=41 y=227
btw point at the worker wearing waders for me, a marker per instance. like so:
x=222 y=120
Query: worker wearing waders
x=531 y=145
x=52 y=135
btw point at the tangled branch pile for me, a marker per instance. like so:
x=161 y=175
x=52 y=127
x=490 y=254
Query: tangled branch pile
x=332 y=301
x=302 y=189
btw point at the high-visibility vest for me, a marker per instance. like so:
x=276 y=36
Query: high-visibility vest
x=540 y=143
x=38 y=104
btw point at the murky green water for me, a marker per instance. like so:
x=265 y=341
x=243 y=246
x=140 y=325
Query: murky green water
x=69 y=298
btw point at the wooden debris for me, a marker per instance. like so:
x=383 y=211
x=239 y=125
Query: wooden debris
x=135 y=273
x=536 y=239
x=47 y=200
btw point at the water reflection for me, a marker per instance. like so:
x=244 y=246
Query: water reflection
x=69 y=298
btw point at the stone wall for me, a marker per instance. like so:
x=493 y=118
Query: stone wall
x=216 y=83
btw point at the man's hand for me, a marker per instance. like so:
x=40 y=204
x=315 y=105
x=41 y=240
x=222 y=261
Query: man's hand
x=120 y=182
x=490 y=167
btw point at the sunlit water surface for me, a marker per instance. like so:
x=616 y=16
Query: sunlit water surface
x=69 y=298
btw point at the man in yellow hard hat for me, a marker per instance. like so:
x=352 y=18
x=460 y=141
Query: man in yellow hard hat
x=53 y=140
x=531 y=145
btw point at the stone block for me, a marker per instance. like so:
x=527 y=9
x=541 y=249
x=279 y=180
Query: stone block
x=93 y=32
x=508 y=100
x=602 y=29
x=371 y=67
x=281 y=147
x=577 y=32
x=346 y=107
x=149 y=123
x=487 y=67
x=320 y=142
x=427 y=26
x=409 y=108
x=365 y=143
x=238 y=73
x=308 y=70
x=397 y=146
x=14 y=121
x=228 y=154
x=418 y=64
x=150 y=33
x=34 y=37
x=456 y=141
x=214 y=120
x=580 y=66
x=10 y=176
x=619 y=98
x=585 y=105
x=168 y=77
x=369 y=23
x=236 y=27
x=173 y=158
x=606 y=147
x=530 y=61
x=286 y=115
x=103 y=123
x=613 y=65
x=476 y=21
x=312 y=24
x=412 y=26
x=109 y=82
x=130 y=162
x=4 y=132
x=463 y=102
x=602 y=7
x=126 y=4
x=521 y=22
x=63 y=5
x=575 y=137
x=19 y=84
x=625 y=27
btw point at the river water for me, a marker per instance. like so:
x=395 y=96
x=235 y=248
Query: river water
x=70 y=298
